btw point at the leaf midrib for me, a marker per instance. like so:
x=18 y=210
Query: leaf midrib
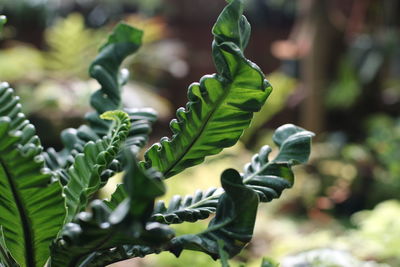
x=26 y=226
x=204 y=122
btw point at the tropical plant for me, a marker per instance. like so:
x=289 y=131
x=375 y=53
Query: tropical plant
x=48 y=214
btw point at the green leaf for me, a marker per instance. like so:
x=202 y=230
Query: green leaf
x=189 y=209
x=141 y=122
x=267 y=178
x=263 y=180
x=102 y=230
x=220 y=106
x=85 y=175
x=294 y=143
x=31 y=206
x=270 y=178
x=233 y=223
x=123 y=41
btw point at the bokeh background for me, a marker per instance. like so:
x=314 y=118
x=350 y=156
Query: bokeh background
x=335 y=69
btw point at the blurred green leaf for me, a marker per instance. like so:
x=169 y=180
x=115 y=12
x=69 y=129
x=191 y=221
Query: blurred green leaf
x=11 y=60
x=70 y=44
x=346 y=89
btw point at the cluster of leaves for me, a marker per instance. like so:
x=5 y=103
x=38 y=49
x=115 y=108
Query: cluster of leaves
x=46 y=197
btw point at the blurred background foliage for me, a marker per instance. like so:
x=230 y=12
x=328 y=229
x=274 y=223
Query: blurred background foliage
x=335 y=69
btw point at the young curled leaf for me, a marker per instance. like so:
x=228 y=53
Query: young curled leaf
x=220 y=106
x=270 y=178
x=84 y=176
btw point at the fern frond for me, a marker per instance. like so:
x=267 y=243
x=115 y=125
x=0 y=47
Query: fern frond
x=70 y=44
x=85 y=175
x=31 y=206
x=189 y=209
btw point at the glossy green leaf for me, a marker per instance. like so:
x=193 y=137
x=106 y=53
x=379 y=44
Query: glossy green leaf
x=233 y=223
x=85 y=175
x=220 y=106
x=263 y=180
x=267 y=178
x=141 y=123
x=270 y=178
x=189 y=209
x=102 y=229
x=123 y=41
x=31 y=207
x=294 y=144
